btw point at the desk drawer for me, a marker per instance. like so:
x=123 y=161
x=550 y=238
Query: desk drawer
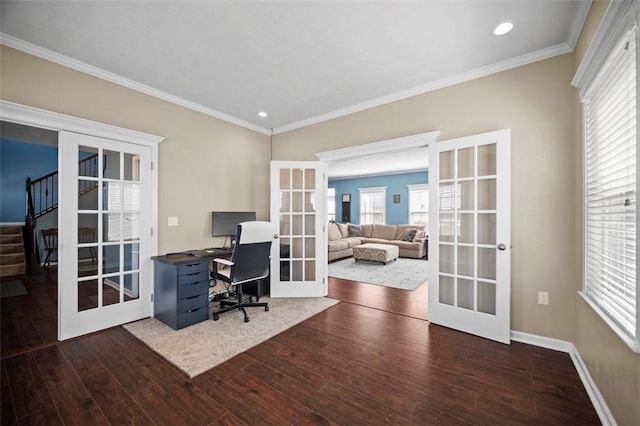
x=193 y=277
x=193 y=302
x=193 y=268
x=196 y=315
x=195 y=289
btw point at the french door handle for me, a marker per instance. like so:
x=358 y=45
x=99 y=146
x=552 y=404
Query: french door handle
x=502 y=247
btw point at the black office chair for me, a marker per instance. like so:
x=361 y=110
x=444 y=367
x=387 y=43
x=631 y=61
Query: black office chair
x=249 y=264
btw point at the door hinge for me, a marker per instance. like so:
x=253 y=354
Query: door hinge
x=152 y=165
x=151 y=231
x=151 y=297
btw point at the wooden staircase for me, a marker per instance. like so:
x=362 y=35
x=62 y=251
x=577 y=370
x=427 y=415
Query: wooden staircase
x=12 y=259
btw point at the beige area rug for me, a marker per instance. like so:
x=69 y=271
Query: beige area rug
x=200 y=347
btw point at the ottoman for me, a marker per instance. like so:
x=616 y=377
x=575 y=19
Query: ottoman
x=382 y=253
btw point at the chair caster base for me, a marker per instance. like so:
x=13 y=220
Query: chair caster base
x=247 y=319
x=216 y=317
x=266 y=309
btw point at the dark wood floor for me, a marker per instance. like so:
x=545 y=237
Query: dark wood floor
x=351 y=364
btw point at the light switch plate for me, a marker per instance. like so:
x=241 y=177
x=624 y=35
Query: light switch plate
x=172 y=221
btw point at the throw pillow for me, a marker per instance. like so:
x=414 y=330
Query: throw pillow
x=420 y=235
x=409 y=234
x=334 y=232
x=355 y=231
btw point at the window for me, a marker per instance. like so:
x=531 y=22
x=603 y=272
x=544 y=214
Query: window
x=610 y=179
x=372 y=205
x=331 y=204
x=419 y=205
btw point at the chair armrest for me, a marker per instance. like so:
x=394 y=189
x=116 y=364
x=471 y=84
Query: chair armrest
x=223 y=261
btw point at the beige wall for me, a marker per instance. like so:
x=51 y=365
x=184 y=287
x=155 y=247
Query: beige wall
x=541 y=107
x=205 y=164
x=537 y=103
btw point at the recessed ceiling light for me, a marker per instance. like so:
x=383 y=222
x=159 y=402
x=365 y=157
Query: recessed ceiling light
x=263 y=114
x=503 y=28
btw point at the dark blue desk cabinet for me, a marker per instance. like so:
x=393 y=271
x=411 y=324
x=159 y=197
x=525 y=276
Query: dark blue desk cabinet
x=181 y=290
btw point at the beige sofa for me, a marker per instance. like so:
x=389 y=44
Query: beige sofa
x=343 y=237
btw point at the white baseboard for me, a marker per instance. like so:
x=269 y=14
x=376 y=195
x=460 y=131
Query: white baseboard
x=563 y=346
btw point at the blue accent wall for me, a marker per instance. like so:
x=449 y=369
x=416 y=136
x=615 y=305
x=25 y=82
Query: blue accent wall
x=395 y=184
x=19 y=160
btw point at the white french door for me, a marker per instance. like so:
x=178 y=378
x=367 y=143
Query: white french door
x=470 y=234
x=104 y=233
x=299 y=255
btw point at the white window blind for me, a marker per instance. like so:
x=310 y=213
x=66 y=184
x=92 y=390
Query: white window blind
x=331 y=204
x=372 y=205
x=611 y=186
x=419 y=204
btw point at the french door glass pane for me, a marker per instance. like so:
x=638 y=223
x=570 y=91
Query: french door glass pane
x=465 y=293
x=87 y=161
x=111 y=164
x=487 y=228
x=466 y=163
x=446 y=259
x=465 y=261
x=445 y=290
x=487 y=298
x=487 y=194
x=487 y=160
x=110 y=291
x=87 y=295
x=87 y=195
x=131 y=167
x=447 y=168
x=110 y=259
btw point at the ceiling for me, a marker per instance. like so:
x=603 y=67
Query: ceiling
x=300 y=61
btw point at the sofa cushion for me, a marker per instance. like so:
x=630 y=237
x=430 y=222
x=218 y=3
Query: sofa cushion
x=407 y=245
x=344 y=229
x=366 y=230
x=352 y=241
x=334 y=232
x=375 y=241
x=385 y=232
x=338 y=245
x=355 y=231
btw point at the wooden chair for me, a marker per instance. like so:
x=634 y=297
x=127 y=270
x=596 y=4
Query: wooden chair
x=88 y=235
x=50 y=237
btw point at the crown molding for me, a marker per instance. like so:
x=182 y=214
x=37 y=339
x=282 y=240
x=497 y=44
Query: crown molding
x=49 y=55
x=578 y=22
x=505 y=65
x=619 y=16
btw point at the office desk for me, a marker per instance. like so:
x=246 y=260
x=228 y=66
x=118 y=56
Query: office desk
x=181 y=288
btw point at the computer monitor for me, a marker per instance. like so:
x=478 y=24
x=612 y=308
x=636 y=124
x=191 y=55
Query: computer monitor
x=225 y=224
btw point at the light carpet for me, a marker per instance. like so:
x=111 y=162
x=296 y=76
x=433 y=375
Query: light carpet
x=403 y=273
x=200 y=347
x=12 y=288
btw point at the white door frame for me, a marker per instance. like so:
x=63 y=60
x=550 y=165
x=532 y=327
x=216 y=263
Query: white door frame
x=35 y=117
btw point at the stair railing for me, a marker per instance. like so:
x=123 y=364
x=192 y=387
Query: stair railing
x=42 y=198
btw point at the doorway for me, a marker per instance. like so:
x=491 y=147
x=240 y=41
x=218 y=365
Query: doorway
x=408 y=154
x=126 y=143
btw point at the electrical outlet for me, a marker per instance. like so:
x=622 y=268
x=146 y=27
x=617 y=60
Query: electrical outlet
x=172 y=221
x=543 y=298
